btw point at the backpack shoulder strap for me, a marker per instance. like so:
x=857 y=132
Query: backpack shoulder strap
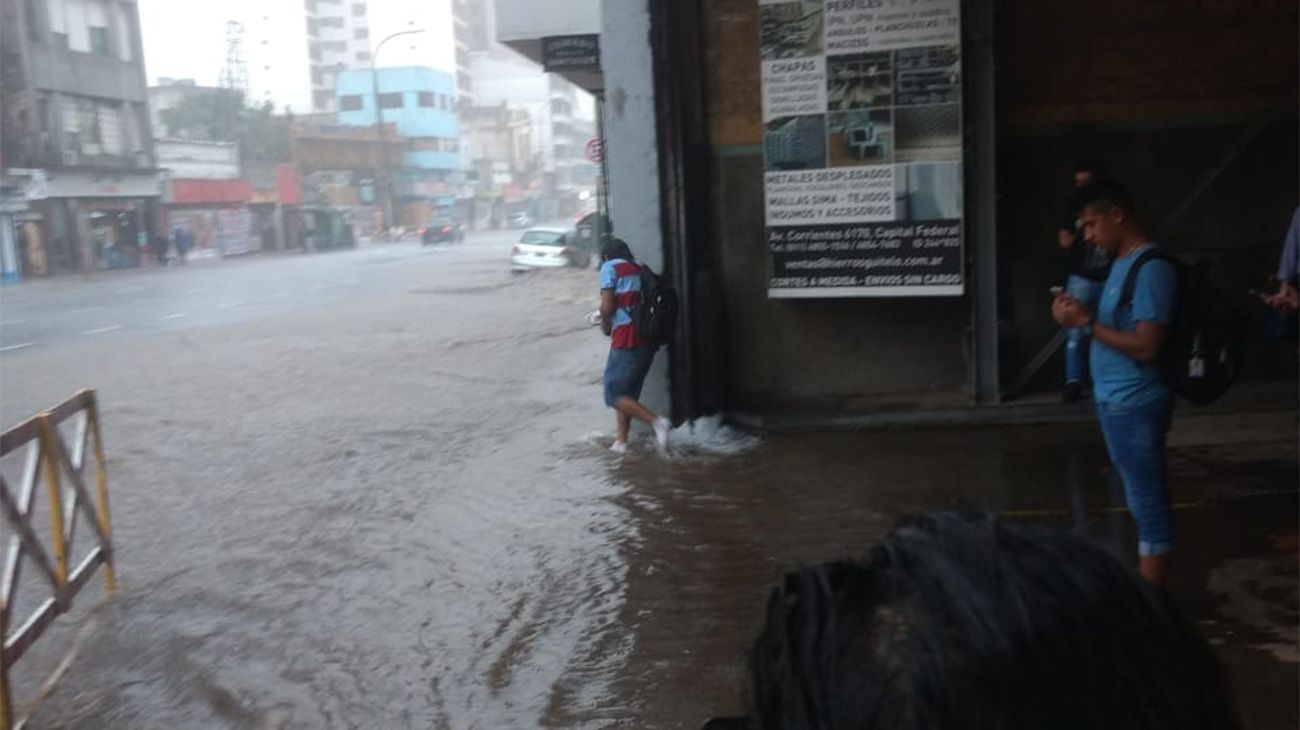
x=1130 y=279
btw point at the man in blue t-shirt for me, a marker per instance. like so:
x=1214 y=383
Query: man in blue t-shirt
x=1133 y=403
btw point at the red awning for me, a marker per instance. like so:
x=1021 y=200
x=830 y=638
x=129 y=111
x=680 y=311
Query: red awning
x=210 y=192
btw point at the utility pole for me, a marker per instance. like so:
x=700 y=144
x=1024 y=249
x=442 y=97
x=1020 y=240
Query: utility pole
x=385 y=178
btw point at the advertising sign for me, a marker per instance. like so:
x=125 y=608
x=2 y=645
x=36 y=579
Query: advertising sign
x=571 y=52
x=234 y=231
x=862 y=147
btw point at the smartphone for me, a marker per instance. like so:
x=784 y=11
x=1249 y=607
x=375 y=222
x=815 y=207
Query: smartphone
x=1057 y=290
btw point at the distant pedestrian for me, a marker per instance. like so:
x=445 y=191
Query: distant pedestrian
x=629 y=358
x=1088 y=266
x=183 y=240
x=1287 y=297
x=1134 y=406
x=160 y=246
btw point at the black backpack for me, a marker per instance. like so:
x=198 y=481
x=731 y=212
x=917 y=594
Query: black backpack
x=656 y=314
x=1204 y=350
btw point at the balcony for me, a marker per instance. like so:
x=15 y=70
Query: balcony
x=29 y=151
x=54 y=68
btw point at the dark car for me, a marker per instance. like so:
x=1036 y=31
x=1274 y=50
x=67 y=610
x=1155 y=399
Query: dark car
x=442 y=230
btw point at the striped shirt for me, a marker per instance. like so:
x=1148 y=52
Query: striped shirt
x=624 y=279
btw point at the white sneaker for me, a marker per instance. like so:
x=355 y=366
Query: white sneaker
x=662 y=426
x=619 y=447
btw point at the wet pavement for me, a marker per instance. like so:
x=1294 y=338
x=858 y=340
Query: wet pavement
x=372 y=489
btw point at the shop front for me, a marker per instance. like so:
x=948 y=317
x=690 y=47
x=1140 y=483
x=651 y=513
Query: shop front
x=89 y=221
x=858 y=202
x=215 y=216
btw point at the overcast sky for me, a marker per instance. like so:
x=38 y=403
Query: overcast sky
x=186 y=39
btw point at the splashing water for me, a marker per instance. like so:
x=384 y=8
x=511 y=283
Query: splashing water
x=710 y=436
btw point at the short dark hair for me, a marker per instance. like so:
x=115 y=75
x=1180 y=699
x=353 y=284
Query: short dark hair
x=1105 y=194
x=615 y=248
x=964 y=621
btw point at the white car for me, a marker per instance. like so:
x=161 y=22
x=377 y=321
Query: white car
x=547 y=248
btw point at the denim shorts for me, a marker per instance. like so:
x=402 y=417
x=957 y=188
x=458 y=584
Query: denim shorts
x=625 y=373
x=1135 y=437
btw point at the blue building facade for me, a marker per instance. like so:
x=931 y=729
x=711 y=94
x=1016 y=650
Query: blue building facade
x=421 y=103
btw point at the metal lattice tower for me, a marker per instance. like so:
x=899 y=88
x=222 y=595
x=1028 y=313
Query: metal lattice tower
x=234 y=75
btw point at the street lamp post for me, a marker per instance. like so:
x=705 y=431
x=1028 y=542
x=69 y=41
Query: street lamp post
x=386 y=181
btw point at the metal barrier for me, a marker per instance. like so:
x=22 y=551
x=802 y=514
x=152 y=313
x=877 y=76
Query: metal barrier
x=64 y=472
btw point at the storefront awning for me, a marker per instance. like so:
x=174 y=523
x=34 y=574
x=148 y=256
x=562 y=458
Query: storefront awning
x=209 y=192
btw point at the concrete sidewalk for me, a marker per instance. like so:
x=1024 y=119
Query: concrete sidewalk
x=716 y=535
x=945 y=410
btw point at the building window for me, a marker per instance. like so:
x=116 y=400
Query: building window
x=99 y=41
x=329 y=22
x=434 y=144
x=363 y=55
x=317 y=76
x=81 y=125
x=358 y=10
x=350 y=103
x=390 y=101
x=426 y=99
x=360 y=33
x=321 y=98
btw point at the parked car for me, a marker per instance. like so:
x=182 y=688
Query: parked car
x=519 y=220
x=547 y=248
x=442 y=230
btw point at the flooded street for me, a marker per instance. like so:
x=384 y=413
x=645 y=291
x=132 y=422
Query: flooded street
x=372 y=489
x=372 y=505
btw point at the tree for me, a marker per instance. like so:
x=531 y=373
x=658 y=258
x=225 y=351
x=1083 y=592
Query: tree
x=264 y=137
x=210 y=115
x=220 y=115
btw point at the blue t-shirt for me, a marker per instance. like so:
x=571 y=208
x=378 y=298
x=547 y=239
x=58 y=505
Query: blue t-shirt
x=1118 y=379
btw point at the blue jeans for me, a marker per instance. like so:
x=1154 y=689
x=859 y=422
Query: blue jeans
x=1088 y=292
x=1135 y=438
x=625 y=372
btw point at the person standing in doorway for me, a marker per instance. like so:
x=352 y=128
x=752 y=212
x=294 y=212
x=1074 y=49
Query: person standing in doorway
x=1088 y=266
x=629 y=358
x=1134 y=406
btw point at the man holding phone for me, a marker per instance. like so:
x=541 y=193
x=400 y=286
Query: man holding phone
x=1134 y=405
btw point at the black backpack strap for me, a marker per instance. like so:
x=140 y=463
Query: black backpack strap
x=1131 y=278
